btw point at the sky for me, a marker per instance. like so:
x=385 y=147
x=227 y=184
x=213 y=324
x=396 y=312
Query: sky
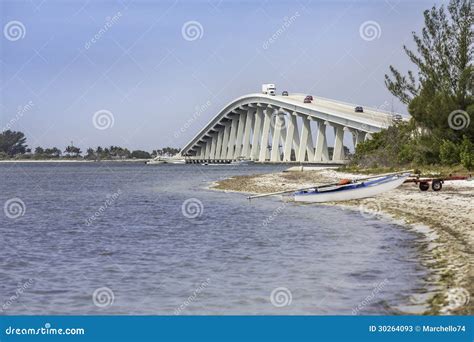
x=147 y=74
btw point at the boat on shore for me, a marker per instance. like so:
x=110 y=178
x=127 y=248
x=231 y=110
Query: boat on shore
x=350 y=190
x=345 y=189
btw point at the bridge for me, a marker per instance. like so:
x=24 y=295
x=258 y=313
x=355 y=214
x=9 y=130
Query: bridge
x=277 y=129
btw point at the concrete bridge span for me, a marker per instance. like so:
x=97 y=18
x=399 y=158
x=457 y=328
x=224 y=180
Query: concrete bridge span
x=276 y=129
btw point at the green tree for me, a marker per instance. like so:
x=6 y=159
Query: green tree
x=170 y=151
x=39 y=151
x=138 y=154
x=73 y=151
x=12 y=143
x=53 y=152
x=117 y=152
x=90 y=154
x=439 y=94
x=443 y=80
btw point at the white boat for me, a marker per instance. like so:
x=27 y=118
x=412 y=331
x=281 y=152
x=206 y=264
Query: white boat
x=155 y=162
x=351 y=190
x=176 y=161
x=166 y=160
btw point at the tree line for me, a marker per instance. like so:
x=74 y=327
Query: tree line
x=13 y=146
x=439 y=96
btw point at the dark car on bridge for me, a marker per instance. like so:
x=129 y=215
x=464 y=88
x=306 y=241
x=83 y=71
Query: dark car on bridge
x=359 y=109
x=397 y=117
x=308 y=99
x=284 y=93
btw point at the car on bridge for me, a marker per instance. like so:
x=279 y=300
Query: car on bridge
x=308 y=99
x=359 y=109
x=284 y=93
x=397 y=117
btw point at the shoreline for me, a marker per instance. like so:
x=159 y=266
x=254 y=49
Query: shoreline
x=444 y=218
x=73 y=161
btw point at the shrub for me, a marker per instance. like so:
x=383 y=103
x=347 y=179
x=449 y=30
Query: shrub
x=449 y=153
x=466 y=153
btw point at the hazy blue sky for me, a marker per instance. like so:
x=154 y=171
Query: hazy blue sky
x=152 y=77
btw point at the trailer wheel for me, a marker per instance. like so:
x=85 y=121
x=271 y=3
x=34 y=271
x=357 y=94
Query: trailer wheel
x=424 y=186
x=436 y=185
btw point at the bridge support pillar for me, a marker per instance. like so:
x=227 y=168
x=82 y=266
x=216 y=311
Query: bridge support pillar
x=265 y=132
x=279 y=122
x=247 y=131
x=212 y=154
x=233 y=132
x=303 y=141
x=270 y=136
x=240 y=133
x=207 y=152
x=338 y=152
x=220 y=135
x=310 y=144
x=290 y=132
x=283 y=138
x=296 y=136
x=357 y=137
x=321 y=153
x=254 y=153
x=201 y=150
x=225 y=140
x=306 y=141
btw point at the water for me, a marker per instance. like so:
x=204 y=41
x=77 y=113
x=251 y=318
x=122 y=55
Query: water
x=142 y=252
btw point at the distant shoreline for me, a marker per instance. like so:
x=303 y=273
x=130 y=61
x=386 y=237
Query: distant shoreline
x=73 y=161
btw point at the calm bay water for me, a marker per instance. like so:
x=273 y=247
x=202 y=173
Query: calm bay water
x=121 y=231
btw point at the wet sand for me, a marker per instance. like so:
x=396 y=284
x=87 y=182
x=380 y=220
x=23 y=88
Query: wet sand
x=445 y=218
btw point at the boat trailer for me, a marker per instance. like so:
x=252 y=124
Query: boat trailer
x=436 y=183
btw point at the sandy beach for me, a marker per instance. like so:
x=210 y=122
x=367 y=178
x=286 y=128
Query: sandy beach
x=445 y=219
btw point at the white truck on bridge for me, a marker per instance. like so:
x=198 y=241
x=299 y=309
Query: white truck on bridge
x=268 y=89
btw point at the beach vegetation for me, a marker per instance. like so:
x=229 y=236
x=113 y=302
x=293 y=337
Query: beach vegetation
x=438 y=94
